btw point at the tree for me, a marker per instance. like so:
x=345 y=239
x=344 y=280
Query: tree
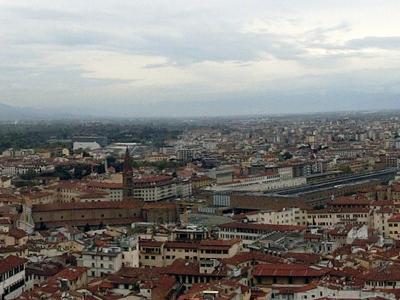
x=29 y=175
x=86 y=228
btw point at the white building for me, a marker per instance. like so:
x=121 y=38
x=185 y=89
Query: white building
x=313 y=291
x=85 y=146
x=260 y=184
x=12 y=277
x=101 y=261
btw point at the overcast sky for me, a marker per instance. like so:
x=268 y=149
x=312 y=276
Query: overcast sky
x=151 y=58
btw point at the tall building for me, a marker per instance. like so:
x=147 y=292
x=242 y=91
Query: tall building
x=127 y=176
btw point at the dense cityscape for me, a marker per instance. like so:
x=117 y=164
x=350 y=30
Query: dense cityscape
x=258 y=207
x=199 y=150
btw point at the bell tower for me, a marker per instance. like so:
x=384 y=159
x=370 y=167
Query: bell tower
x=127 y=176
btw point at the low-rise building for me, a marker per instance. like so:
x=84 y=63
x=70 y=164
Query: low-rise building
x=159 y=254
x=250 y=232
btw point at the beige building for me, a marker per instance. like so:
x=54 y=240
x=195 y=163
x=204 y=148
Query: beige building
x=154 y=188
x=286 y=216
x=114 y=189
x=393 y=229
x=330 y=217
x=159 y=254
x=13 y=237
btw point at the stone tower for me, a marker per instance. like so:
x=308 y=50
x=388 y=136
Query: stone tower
x=127 y=176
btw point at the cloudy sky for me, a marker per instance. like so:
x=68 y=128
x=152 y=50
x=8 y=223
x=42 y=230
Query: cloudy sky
x=152 y=58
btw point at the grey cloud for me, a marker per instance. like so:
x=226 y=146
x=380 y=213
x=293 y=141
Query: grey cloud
x=389 y=42
x=41 y=13
x=184 y=36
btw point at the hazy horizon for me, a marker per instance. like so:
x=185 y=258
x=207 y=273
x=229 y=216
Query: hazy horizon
x=198 y=58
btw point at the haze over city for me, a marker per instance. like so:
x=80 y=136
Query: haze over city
x=199 y=58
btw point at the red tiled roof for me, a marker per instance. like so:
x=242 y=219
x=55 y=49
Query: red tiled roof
x=150 y=243
x=350 y=201
x=10 y=262
x=252 y=256
x=86 y=205
x=72 y=273
x=17 y=233
x=83 y=222
x=156 y=205
x=308 y=258
x=183 y=267
x=293 y=270
x=394 y=218
x=389 y=273
x=105 y=185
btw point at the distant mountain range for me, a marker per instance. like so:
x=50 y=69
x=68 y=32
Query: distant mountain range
x=13 y=113
x=9 y=113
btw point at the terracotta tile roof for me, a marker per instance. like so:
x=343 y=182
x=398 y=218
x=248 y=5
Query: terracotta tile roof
x=72 y=273
x=389 y=273
x=157 y=205
x=252 y=256
x=212 y=244
x=105 y=185
x=382 y=203
x=307 y=258
x=283 y=270
x=17 y=233
x=86 y=205
x=297 y=289
x=150 y=243
x=350 y=201
x=183 y=267
x=10 y=262
x=394 y=218
x=161 y=287
x=46 y=269
x=5 y=221
x=157 y=178
x=83 y=222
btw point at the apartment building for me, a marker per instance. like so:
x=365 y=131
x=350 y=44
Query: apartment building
x=286 y=216
x=160 y=254
x=114 y=189
x=329 y=217
x=154 y=188
x=101 y=261
x=393 y=229
x=12 y=277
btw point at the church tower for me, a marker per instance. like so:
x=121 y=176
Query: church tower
x=127 y=176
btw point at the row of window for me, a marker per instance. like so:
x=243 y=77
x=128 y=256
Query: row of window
x=14 y=271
